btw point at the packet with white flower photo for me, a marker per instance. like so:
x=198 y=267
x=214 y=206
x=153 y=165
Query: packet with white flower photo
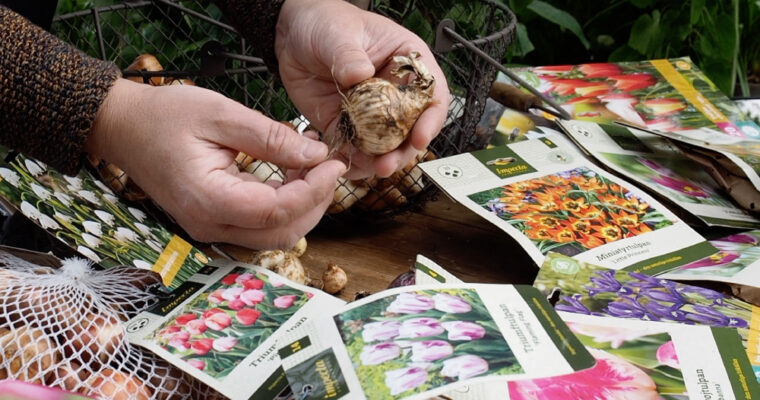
x=549 y=197
x=649 y=360
x=91 y=219
x=415 y=342
x=655 y=163
x=224 y=325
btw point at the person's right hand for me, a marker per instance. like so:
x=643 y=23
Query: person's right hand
x=179 y=144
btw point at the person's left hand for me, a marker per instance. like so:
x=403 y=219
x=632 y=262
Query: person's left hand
x=324 y=46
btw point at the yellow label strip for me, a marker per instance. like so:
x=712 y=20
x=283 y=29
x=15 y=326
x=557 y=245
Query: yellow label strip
x=171 y=259
x=692 y=95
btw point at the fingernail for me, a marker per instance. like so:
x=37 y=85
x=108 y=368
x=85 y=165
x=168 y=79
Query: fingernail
x=314 y=150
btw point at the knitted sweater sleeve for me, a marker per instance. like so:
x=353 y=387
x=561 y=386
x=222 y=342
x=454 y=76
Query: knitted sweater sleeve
x=50 y=93
x=256 y=21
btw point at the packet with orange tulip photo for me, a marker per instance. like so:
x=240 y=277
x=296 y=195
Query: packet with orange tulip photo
x=416 y=342
x=223 y=327
x=549 y=197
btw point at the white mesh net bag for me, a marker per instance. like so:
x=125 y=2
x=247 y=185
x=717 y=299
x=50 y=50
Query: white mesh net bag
x=63 y=328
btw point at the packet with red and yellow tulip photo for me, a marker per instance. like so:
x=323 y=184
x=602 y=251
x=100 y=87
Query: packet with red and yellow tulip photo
x=419 y=341
x=656 y=164
x=549 y=197
x=669 y=97
x=223 y=327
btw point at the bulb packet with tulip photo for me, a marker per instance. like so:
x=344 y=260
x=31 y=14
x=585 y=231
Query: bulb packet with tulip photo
x=546 y=195
x=224 y=326
x=668 y=97
x=415 y=342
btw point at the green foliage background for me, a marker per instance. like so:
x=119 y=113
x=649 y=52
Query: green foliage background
x=721 y=36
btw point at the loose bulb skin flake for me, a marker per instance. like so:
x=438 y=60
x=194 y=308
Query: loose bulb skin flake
x=377 y=115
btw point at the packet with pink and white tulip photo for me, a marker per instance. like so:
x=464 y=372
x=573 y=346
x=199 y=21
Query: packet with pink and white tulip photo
x=649 y=360
x=223 y=326
x=419 y=341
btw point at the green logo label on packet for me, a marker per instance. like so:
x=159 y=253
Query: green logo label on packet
x=503 y=161
x=566 y=266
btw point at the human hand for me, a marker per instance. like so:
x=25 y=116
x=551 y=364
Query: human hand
x=179 y=144
x=322 y=45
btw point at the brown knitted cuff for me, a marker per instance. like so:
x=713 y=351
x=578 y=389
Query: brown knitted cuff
x=256 y=21
x=50 y=93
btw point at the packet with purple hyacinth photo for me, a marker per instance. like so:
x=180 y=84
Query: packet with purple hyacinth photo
x=224 y=325
x=592 y=290
x=549 y=197
x=658 y=165
x=418 y=341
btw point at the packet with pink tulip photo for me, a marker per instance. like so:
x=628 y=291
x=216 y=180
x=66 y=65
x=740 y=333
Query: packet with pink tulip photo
x=550 y=198
x=222 y=326
x=419 y=341
x=656 y=164
x=649 y=360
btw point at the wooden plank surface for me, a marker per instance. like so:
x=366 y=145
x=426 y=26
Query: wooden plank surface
x=373 y=253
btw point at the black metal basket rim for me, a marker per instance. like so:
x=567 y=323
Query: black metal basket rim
x=139 y=4
x=498 y=35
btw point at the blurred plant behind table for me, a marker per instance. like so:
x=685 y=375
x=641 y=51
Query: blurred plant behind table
x=721 y=36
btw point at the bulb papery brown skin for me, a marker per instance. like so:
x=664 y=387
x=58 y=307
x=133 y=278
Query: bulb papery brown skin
x=377 y=115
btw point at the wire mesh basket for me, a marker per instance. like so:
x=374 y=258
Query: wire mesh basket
x=191 y=40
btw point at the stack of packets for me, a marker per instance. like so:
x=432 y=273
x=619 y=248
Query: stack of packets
x=668 y=97
x=251 y=334
x=626 y=322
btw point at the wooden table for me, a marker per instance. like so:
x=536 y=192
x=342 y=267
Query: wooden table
x=374 y=253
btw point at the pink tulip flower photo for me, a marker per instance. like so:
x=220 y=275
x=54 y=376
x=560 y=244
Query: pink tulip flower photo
x=411 y=342
x=219 y=328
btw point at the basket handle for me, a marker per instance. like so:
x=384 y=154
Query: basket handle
x=445 y=39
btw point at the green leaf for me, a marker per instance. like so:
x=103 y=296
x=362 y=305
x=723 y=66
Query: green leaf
x=643 y=3
x=522 y=44
x=624 y=53
x=697 y=6
x=559 y=17
x=644 y=31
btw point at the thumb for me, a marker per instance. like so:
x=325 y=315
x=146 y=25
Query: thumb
x=351 y=64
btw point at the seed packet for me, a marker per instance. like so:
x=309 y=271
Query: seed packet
x=656 y=164
x=549 y=197
x=415 y=342
x=86 y=215
x=736 y=262
x=584 y=288
x=649 y=360
x=224 y=326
